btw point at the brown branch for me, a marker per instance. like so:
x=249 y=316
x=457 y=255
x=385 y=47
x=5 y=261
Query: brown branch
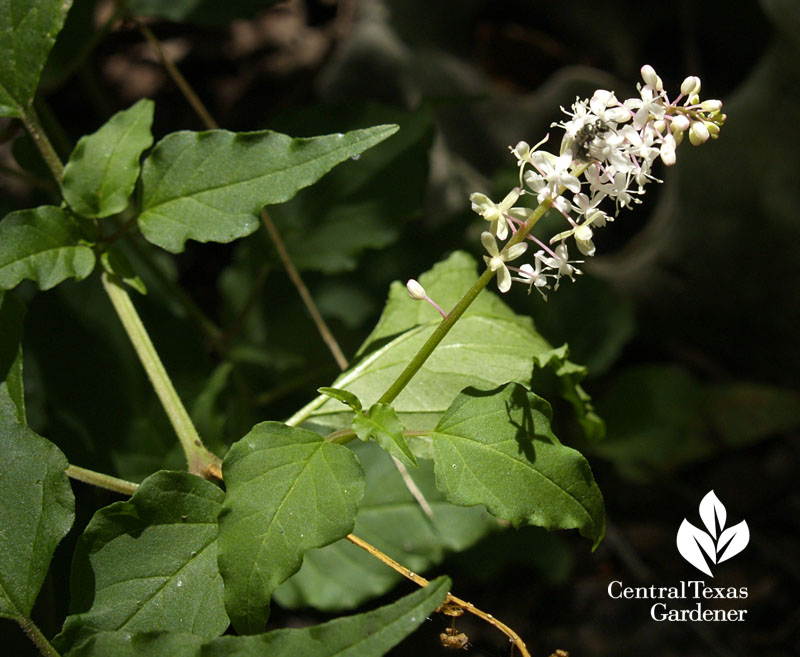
x=450 y=601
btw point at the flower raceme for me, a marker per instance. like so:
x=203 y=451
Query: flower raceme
x=612 y=145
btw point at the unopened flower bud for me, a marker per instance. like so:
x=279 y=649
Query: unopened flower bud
x=651 y=78
x=522 y=150
x=711 y=105
x=415 y=290
x=698 y=133
x=680 y=123
x=713 y=129
x=690 y=85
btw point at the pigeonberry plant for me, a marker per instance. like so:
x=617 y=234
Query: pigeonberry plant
x=431 y=437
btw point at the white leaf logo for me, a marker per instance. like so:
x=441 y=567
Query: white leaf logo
x=715 y=545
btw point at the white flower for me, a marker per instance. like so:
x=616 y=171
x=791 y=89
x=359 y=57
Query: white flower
x=562 y=264
x=494 y=212
x=496 y=261
x=532 y=275
x=551 y=175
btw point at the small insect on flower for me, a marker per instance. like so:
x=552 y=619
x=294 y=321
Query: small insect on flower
x=586 y=142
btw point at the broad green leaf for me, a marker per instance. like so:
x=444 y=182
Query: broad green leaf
x=288 y=491
x=150 y=563
x=490 y=345
x=209 y=186
x=102 y=170
x=204 y=12
x=382 y=425
x=36 y=511
x=342 y=576
x=496 y=448
x=28 y=30
x=44 y=245
x=371 y=634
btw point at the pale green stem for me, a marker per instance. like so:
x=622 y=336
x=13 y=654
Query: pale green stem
x=37 y=133
x=454 y=315
x=35 y=634
x=199 y=459
x=101 y=480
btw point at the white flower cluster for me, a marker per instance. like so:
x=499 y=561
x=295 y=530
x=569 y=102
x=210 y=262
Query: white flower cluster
x=612 y=144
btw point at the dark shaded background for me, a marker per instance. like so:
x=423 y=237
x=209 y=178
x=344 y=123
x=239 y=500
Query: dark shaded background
x=687 y=318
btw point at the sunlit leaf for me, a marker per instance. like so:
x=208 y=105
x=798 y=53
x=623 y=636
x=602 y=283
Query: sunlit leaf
x=288 y=491
x=209 y=186
x=28 y=30
x=150 y=563
x=371 y=634
x=496 y=448
x=44 y=245
x=103 y=169
x=342 y=576
x=490 y=345
x=382 y=425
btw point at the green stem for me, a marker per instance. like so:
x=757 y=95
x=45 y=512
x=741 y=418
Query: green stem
x=455 y=314
x=35 y=634
x=101 y=480
x=37 y=133
x=199 y=459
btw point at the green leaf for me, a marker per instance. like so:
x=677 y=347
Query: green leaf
x=496 y=448
x=36 y=512
x=343 y=396
x=371 y=634
x=382 y=425
x=28 y=30
x=150 y=563
x=209 y=186
x=102 y=170
x=44 y=245
x=490 y=345
x=288 y=491
x=342 y=576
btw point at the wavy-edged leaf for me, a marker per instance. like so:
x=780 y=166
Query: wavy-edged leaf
x=382 y=425
x=490 y=345
x=371 y=634
x=36 y=511
x=102 y=170
x=342 y=576
x=288 y=491
x=28 y=30
x=496 y=448
x=43 y=244
x=209 y=186
x=12 y=393
x=150 y=563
